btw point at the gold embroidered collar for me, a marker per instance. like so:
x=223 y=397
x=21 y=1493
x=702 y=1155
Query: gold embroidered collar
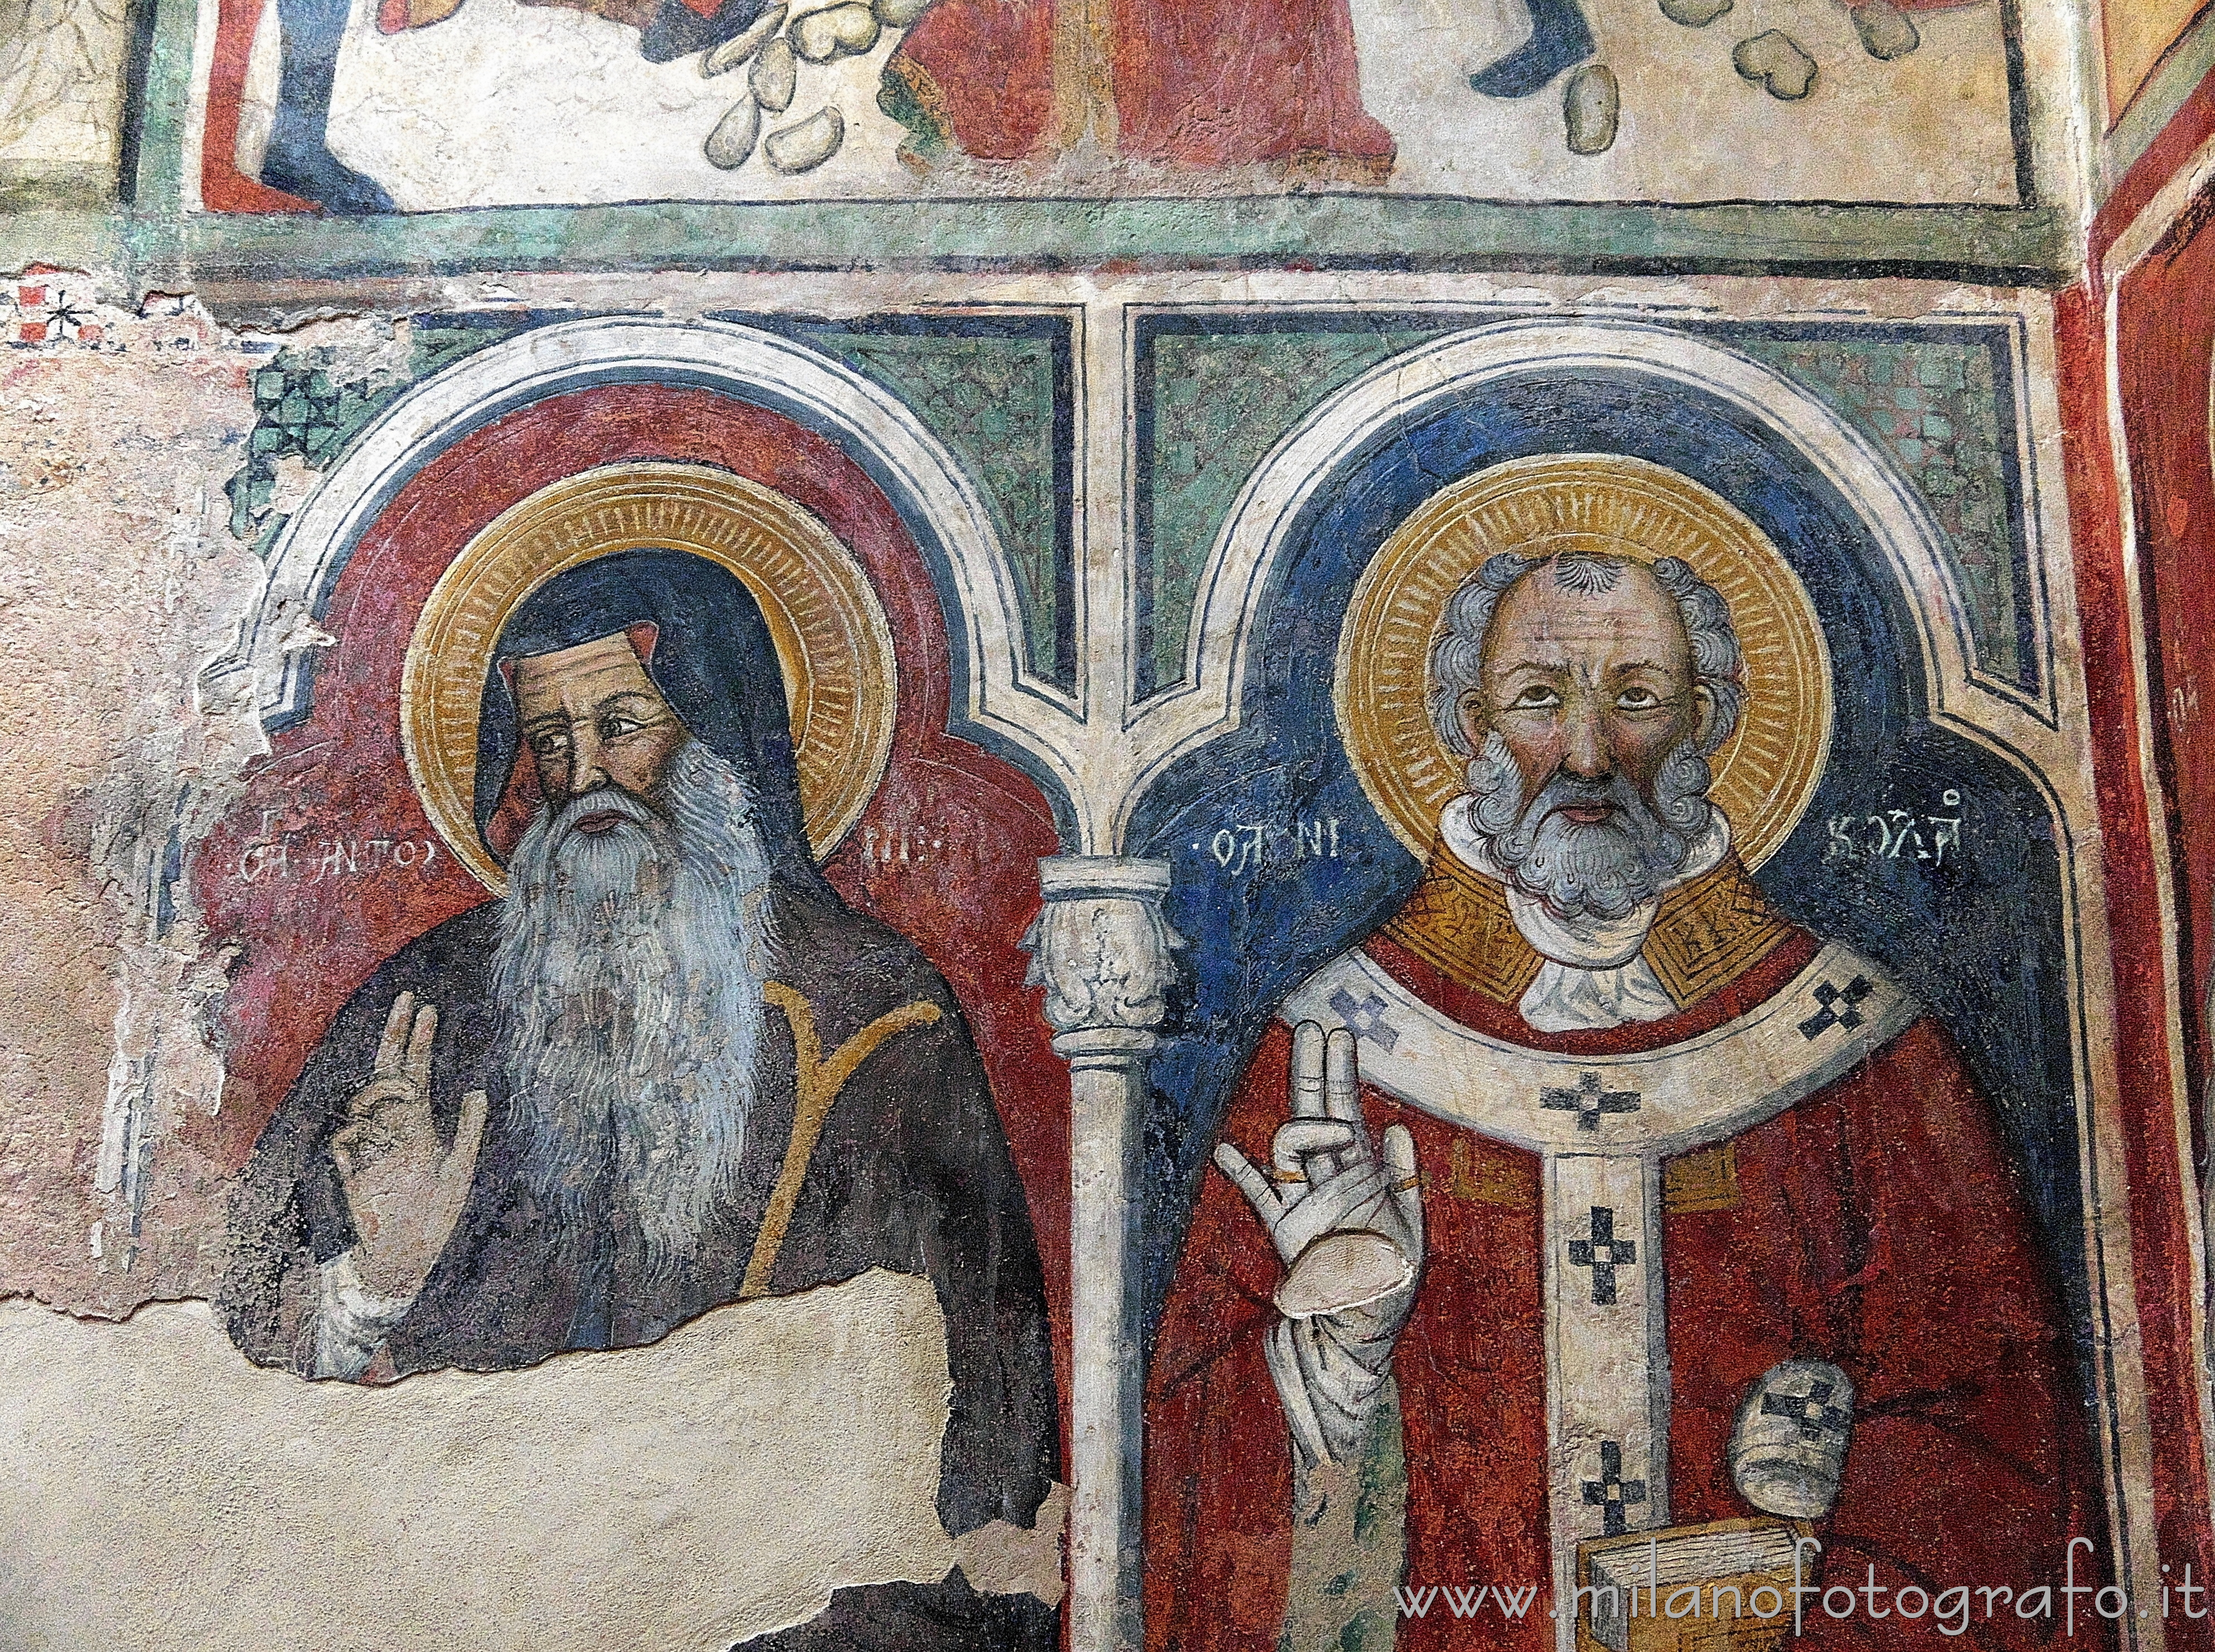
x=1708 y=931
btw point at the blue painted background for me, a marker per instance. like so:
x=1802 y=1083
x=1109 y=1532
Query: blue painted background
x=1980 y=941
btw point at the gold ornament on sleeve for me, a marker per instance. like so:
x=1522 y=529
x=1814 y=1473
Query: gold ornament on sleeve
x=831 y=640
x=1764 y=774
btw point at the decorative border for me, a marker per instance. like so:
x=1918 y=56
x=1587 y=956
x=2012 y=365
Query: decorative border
x=1055 y=328
x=2154 y=212
x=2176 y=74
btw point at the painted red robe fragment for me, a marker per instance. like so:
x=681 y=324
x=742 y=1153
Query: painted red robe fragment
x=1875 y=1224
x=1239 y=82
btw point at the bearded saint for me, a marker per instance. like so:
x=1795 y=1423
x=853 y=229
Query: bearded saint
x=1660 y=1175
x=578 y=1116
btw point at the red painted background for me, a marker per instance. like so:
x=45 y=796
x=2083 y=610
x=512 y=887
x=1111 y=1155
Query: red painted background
x=292 y=877
x=2163 y=1184
x=2164 y=349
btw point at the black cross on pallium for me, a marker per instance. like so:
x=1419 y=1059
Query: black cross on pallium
x=1602 y=1253
x=1588 y=1101
x=1830 y=996
x=1364 y=1019
x=1611 y=1492
x=1815 y=1415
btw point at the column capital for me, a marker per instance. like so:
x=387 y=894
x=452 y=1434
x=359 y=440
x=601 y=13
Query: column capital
x=1101 y=949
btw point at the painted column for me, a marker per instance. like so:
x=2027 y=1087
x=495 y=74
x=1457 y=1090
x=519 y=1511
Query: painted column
x=1102 y=950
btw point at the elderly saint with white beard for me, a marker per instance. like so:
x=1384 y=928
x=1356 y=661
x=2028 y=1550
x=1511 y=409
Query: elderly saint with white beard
x=632 y=955
x=1610 y=1202
x=1586 y=854
x=669 y=1070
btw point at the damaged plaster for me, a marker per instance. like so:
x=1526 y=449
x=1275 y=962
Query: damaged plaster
x=642 y=1498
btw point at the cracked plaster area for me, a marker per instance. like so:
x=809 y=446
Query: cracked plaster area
x=116 y=580
x=119 y=581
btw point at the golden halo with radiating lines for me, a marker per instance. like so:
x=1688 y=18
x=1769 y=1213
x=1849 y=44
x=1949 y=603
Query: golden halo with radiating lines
x=1764 y=774
x=831 y=640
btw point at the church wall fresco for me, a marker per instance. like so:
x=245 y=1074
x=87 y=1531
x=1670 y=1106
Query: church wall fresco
x=1200 y=723
x=62 y=74
x=2137 y=37
x=355 y=107
x=1033 y=825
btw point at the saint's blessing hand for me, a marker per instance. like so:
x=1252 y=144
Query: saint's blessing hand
x=404 y=1188
x=1330 y=1182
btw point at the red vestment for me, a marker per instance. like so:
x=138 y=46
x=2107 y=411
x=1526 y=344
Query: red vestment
x=1876 y=1224
x=1241 y=83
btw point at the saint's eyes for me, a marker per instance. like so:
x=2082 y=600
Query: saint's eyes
x=553 y=743
x=1543 y=697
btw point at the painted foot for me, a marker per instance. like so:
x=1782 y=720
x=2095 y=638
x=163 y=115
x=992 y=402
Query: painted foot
x=306 y=168
x=1560 y=39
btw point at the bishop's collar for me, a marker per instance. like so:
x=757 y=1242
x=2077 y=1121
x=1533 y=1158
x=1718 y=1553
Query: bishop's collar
x=1707 y=927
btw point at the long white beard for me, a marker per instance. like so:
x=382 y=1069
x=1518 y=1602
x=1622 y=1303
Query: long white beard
x=628 y=976
x=1603 y=871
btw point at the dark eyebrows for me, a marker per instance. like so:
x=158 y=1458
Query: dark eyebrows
x=1626 y=668
x=656 y=706
x=651 y=700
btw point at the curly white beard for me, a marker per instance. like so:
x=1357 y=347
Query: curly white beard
x=1603 y=871
x=629 y=977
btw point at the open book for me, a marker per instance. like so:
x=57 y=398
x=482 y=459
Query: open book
x=1724 y=1587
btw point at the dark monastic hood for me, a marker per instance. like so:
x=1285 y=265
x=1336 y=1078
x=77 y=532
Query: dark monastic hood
x=713 y=662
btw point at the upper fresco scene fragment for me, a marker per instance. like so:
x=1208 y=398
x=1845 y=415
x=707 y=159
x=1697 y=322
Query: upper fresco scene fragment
x=420 y=105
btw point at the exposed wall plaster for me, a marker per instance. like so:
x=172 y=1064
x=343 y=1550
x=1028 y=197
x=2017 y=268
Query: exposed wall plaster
x=179 y=1498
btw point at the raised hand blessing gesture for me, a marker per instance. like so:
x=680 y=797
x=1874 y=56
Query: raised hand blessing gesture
x=1346 y=1222
x=405 y=1188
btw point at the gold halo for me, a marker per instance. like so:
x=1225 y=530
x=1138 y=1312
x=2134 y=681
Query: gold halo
x=831 y=640
x=1764 y=773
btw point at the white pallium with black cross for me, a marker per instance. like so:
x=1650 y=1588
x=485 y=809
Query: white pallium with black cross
x=1602 y=1126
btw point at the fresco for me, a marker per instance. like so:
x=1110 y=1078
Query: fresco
x=669 y=1067
x=2136 y=36
x=1551 y=1129
x=429 y=105
x=871 y=825
x=1504 y=986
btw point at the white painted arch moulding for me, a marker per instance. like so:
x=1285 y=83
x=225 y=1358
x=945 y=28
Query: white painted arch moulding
x=939 y=501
